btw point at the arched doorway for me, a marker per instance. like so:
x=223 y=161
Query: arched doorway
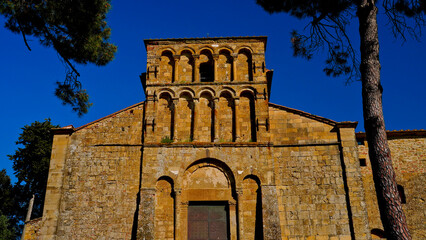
x=208 y=204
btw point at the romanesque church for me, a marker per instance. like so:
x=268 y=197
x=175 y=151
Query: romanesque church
x=207 y=156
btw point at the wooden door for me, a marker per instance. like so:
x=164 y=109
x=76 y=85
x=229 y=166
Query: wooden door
x=208 y=221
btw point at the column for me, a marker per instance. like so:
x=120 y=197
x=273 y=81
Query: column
x=215 y=121
x=175 y=68
x=233 y=220
x=215 y=60
x=234 y=66
x=240 y=213
x=175 y=115
x=183 y=230
x=196 y=119
x=178 y=227
x=196 y=68
x=237 y=122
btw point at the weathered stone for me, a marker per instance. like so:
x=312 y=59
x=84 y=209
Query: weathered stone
x=207 y=136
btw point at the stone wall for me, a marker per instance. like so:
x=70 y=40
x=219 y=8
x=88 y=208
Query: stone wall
x=32 y=229
x=206 y=133
x=408 y=151
x=318 y=179
x=101 y=178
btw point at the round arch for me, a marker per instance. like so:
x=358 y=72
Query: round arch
x=181 y=91
x=209 y=162
x=208 y=48
x=244 y=48
x=225 y=48
x=206 y=89
x=249 y=90
x=167 y=179
x=166 y=91
x=227 y=90
x=165 y=49
x=192 y=51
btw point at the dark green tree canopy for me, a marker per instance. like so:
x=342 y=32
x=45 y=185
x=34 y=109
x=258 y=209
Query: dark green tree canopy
x=76 y=29
x=6 y=193
x=31 y=165
x=8 y=220
x=5 y=232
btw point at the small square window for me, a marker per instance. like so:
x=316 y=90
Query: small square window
x=362 y=162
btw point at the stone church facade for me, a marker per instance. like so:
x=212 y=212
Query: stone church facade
x=207 y=156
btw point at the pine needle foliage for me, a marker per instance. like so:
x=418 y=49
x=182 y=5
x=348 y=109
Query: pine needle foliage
x=76 y=29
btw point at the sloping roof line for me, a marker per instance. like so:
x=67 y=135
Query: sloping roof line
x=108 y=116
x=305 y=114
x=398 y=133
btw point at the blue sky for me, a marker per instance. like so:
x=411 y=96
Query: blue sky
x=28 y=78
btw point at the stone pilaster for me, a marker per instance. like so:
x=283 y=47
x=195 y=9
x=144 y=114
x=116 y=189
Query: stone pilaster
x=54 y=182
x=146 y=214
x=353 y=185
x=271 y=218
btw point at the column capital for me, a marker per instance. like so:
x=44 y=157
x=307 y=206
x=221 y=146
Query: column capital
x=176 y=57
x=178 y=191
x=239 y=192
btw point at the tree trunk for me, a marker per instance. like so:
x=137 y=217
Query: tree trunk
x=389 y=201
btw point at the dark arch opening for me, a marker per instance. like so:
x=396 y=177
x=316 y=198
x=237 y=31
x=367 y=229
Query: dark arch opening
x=190 y=101
x=250 y=96
x=189 y=56
x=228 y=96
x=249 y=62
x=209 y=97
x=207 y=68
x=258 y=231
x=229 y=61
x=170 y=181
x=166 y=96
x=171 y=63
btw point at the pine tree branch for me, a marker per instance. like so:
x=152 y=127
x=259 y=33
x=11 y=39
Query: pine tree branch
x=23 y=35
